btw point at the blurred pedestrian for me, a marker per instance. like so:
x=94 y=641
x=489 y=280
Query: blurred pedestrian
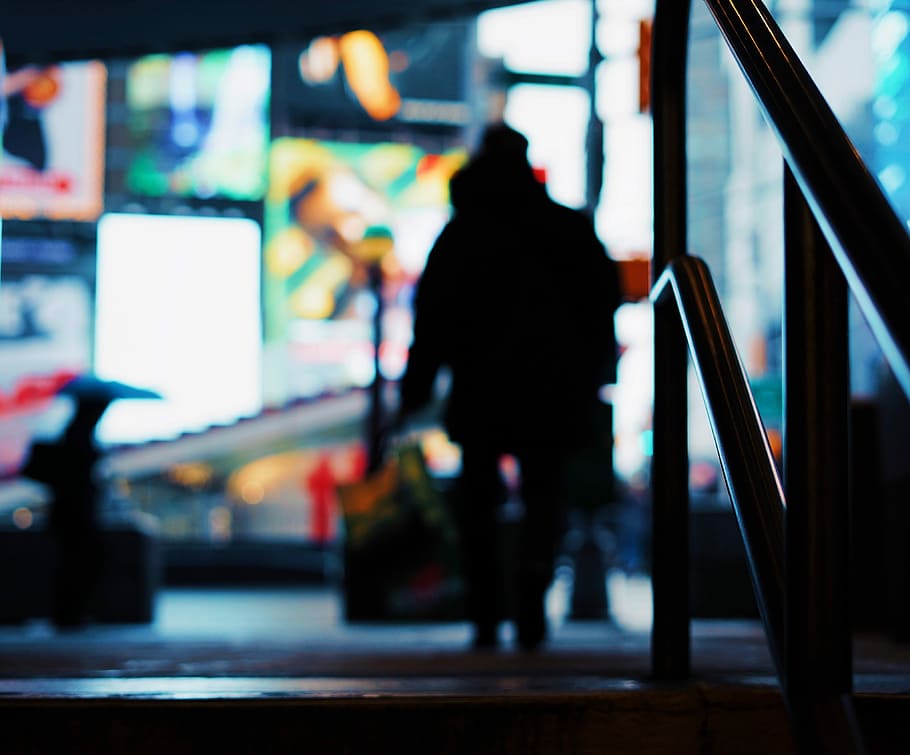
x=517 y=302
x=68 y=466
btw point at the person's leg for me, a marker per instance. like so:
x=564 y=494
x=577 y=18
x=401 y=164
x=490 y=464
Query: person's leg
x=542 y=473
x=478 y=494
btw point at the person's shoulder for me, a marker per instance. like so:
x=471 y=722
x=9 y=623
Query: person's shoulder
x=446 y=246
x=453 y=230
x=569 y=215
x=573 y=222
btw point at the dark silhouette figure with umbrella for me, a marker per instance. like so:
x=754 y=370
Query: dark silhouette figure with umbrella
x=68 y=467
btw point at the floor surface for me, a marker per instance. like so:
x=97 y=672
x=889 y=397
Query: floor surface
x=293 y=642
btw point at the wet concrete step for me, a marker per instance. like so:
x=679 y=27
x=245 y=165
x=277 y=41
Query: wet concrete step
x=492 y=714
x=426 y=715
x=223 y=680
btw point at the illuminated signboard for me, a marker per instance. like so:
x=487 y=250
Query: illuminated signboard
x=45 y=335
x=416 y=75
x=178 y=311
x=325 y=198
x=52 y=164
x=198 y=124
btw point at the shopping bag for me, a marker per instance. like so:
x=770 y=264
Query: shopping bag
x=383 y=508
x=400 y=549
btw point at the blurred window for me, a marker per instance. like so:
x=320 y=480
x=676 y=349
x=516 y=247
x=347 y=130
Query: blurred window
x=551 y=36
x=555 y=120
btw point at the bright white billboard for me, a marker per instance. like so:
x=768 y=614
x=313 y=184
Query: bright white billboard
x=178 y=311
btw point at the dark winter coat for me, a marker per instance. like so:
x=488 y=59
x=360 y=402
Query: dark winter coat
x=517 y=300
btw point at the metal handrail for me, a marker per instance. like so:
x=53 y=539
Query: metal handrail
x=834 y=210
x=742 y=442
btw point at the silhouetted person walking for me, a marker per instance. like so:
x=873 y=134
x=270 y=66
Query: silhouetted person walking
x=517 y=300
x=68 y=467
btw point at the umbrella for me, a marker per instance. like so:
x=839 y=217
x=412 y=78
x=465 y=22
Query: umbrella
x=91 y=388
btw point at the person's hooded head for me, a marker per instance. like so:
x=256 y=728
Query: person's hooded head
x=502 y=142
x=498 y=174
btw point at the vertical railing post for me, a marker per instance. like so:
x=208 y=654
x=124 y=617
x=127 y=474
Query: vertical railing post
x=594 y=138
x=818 y=656
x=376 y=415
x=670 y=642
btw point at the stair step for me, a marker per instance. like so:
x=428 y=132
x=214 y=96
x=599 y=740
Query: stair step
x=400 y=689
x=250 y=716
x=448 y=715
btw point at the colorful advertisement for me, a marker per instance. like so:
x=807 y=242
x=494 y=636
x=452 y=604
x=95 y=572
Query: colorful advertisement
x=328 y=204
x=52 y=164
x=199 y=124
x=417 y=75
x=45 y=338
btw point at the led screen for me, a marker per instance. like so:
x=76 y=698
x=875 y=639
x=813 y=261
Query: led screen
x=199 y=124
x=45 y=337
x=324 y=200
x=52 y=164
x=417 y=75
x=178 y=311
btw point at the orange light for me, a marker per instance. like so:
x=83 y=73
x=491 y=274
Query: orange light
x=23 y=518
x=253 y=493
x=43 y=89
x=634 y=277
x=644 y=65
x=776 y=441
x=366 y=65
